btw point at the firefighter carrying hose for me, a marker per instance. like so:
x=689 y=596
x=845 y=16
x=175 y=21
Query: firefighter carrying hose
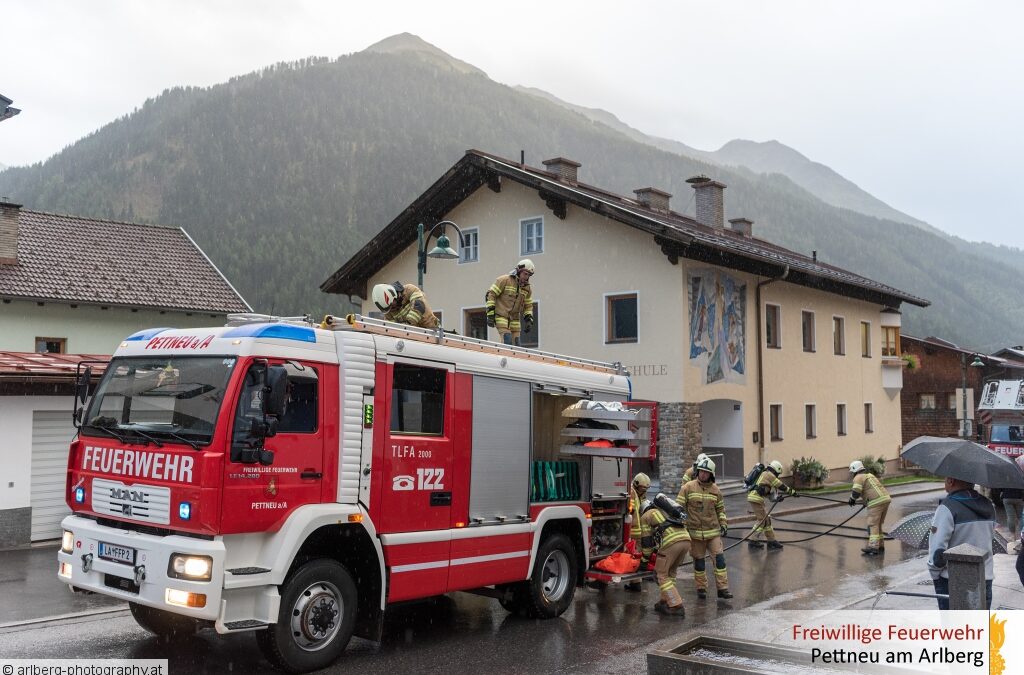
x=766 y=484
x=637 y=497
x=665 y=534
x=404 y=303
x=867 y=486
x=510 y=299
x=707 y=524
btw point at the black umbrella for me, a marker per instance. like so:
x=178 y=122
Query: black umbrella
x=963 y=459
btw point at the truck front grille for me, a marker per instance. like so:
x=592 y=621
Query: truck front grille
x=146 y=503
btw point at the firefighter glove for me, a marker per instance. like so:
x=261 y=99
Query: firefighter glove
x=724 y=529
x=791 y=492
x=528 y=323
x=490 y=317
x=852 y=501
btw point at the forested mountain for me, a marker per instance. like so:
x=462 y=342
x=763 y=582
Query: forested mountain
x=280 y=174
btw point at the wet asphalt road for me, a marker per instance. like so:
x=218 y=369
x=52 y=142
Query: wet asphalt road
x=603 y=631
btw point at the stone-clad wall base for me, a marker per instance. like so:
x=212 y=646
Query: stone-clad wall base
x=679 y=442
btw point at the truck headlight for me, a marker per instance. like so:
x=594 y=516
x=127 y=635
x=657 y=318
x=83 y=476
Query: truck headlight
x=67 y=542
x=192 y=567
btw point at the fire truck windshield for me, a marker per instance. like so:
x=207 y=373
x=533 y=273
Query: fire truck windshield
x=172 y=398
x=1007 y=433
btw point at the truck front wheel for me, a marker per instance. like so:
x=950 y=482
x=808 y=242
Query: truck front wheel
x=317 y=616
x=549 y=590
x=163 y=623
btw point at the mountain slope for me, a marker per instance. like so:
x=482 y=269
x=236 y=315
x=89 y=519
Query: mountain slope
x=280 y=174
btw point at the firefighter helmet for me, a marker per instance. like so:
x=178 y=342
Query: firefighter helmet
x=700 y=458
x=641 y=481
x=384 y=295
x=856 y=466
x=776 y=466
x=526 y=264
x=708 y=465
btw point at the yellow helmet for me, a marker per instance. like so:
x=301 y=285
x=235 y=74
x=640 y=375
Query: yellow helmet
x=641 y=480
x=526 y=264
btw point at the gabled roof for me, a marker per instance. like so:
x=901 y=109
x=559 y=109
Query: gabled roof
x=678 y=236
x=83 y=260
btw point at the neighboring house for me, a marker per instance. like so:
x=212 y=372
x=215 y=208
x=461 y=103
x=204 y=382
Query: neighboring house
x=73 y=286
x=753 y=352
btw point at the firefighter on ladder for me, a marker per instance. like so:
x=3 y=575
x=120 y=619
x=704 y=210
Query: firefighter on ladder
x=509 y=301
x=867 y=486
x=665 y=535
x=637 y=495
x=767 y=483
x=404 y=303
x=707 y=524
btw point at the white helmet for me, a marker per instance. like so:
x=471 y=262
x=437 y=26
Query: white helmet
x=526 y=264
x=700 y=458
x=706 y=465
x=384 y=295
x=776 y=466
x=856 y=466
x=642 y=481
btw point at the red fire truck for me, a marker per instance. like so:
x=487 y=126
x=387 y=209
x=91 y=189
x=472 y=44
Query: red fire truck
x=296 y=480
x=1001 y=412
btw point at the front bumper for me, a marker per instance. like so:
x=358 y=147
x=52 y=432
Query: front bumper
x=153 y=553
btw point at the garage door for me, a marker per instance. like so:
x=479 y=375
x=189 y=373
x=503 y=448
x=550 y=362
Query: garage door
x=52 y=432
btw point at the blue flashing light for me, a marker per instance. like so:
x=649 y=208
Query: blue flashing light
x=80 y=495
x=279 y=331
x=145 y=334
x=185 y=510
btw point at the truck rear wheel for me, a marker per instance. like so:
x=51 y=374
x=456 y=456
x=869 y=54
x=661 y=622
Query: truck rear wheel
x=163 y=623
x=550 y=589
x=317 y=616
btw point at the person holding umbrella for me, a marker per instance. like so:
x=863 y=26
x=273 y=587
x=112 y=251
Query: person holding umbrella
x=963 y=517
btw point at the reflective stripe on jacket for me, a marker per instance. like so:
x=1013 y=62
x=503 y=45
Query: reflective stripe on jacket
x=866 y=485
x=635 y=531
x=767 y=481
x=671 y=534
x=414 y=309
x=705 y=509
x=509 y=298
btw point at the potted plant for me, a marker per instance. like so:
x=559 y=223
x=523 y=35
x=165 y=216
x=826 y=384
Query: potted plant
x=911 y=361
x=875 y=465
x=808 y=472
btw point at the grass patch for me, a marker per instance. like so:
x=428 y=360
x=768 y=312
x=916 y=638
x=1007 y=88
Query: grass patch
x=895 y=480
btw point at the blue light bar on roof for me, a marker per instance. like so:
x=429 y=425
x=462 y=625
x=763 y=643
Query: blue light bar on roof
x=279 y=331
x=145 y=334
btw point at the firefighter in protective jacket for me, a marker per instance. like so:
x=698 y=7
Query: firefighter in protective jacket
x=867 y=486
x=767 y=483
x=690 y=472
x=665 y=534
x=707 y=524
x=510 y=303
x=404 y=303
x=637 y=497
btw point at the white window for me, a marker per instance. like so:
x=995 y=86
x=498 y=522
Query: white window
x=531 y=236
x=810 y=420
x=841 y=419
x=775 y=421
x=470 y=251
x=772 y=326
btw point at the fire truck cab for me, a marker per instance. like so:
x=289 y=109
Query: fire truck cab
x=296 y=480
x=1001 y=411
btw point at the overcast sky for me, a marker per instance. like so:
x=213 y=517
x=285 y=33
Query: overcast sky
x=918 y=102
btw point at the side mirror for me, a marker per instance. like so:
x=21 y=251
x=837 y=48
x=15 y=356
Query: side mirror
x=276 y=391
x=82 y=386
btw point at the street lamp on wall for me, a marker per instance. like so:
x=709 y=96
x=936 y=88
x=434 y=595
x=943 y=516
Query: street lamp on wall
x=976 y=363
x=443 y=250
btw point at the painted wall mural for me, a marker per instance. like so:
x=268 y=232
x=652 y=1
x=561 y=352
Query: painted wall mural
x=718 y=320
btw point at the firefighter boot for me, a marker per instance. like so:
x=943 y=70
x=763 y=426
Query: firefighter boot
x=634 y=587
x=869 y=551
x=702 y=594
x=774 y=546
x=724 y=593
x=755 y=544
x=662 y=608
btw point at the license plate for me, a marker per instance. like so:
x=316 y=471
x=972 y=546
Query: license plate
x=121 y=554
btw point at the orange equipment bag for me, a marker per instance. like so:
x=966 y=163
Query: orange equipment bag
x=618 y=563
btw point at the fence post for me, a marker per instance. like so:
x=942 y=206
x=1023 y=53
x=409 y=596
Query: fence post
x=966 y=565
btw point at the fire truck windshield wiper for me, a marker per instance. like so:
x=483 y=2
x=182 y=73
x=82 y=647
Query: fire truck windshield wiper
x=179 y=437
x=153 y=439
x=106 y=429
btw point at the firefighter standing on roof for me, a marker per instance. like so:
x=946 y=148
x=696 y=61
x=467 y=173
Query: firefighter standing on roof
x=404 y=303
x=767 y=483
x=665 y=534
x=509 y=300
x=637 y=495
x=707 y=524
x=868 y=487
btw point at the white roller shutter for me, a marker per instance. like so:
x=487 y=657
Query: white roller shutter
x=52 y=432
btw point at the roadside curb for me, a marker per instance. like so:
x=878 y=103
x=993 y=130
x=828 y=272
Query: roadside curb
x=817 y=507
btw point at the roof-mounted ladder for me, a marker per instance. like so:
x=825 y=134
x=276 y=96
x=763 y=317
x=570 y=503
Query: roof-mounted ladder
x=438 y=336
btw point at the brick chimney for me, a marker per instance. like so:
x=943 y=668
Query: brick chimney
x=710 y=201
x=742 y=225
x=565 y=168
x=653 y=198
x=9 y=214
